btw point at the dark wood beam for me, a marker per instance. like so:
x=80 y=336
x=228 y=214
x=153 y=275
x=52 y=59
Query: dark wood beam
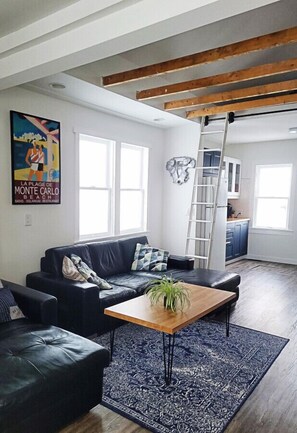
x=266 y=70
x=236 y=49
x=239 y=106
x=233 y=95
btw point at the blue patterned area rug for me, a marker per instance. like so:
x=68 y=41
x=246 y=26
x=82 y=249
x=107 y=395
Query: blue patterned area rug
x=212 y=375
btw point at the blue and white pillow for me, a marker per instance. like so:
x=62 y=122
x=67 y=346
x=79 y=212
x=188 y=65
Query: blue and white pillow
x=147 y=258
x=9 y=309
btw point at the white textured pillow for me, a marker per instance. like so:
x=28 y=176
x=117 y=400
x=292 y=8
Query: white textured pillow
x=70 y=271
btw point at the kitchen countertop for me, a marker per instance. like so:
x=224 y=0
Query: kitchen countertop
x=231 y=220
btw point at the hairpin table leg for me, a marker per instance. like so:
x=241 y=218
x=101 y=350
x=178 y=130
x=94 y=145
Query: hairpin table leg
x=111 y=342
x=168 y=351
x=227 y=319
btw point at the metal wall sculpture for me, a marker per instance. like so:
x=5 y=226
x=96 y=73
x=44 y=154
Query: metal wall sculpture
x=178 y=167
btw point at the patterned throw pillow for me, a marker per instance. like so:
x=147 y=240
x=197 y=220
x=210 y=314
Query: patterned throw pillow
x=9 y=309
x=147 y=258
x=70 y=271
x=88 y=273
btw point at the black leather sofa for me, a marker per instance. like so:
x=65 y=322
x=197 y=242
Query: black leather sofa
x=48 y=376
x=81 y=305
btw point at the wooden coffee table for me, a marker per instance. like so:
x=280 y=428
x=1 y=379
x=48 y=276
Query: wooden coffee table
x=203 y=300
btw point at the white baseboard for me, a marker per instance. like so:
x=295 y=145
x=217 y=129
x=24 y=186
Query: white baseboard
x=272 y=259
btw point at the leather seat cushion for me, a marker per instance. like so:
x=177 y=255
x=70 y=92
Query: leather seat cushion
x=114 y=296
x=208 y=277
x=135 y=280
x=38 y=363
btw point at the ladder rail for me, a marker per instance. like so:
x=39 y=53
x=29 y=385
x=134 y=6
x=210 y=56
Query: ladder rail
x=218 y=188
x=205 y=210
x=193 y=190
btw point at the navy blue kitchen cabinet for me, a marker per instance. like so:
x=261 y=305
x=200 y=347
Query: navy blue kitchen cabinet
x=236 y=239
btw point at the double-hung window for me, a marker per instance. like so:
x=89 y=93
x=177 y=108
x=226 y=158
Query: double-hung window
x=133 y=188
x=113 y=180
x=272 y=196
x=96 y=186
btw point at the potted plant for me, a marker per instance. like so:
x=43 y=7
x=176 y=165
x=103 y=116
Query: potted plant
x=173 y=294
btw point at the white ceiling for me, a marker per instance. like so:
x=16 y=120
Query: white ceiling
x=16 y=14
x=127 y=34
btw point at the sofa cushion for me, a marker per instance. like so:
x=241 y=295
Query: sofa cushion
x=137 y=281
x=9 y=309
x=107 y=258
x=54 y=257
x=127 y=247
x=38 y=362
x=147 y=258
x=208 y=277
x=114 y=296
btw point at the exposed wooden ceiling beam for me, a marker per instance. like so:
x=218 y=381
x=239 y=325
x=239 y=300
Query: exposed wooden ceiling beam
x=238 y=48
x=239 y=106
x=266 y=70
x=233 y=95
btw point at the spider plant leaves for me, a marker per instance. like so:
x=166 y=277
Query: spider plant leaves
x=173 y=294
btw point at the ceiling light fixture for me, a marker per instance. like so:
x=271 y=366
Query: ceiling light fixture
x=58 y=86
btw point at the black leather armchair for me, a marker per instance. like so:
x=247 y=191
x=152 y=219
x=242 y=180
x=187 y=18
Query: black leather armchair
x=48 y=376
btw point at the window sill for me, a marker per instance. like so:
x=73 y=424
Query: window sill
x=274 y=232
x=111 y=238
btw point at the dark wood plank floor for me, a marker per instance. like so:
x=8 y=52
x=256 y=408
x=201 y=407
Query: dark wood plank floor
x=268 y=303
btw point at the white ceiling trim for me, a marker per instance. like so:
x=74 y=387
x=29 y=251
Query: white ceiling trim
x=54 y=22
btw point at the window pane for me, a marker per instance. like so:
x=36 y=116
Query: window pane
x=274 y=181
x=237 y=177
x=131 y=210
x=94 y=161
x=272 y=213
x=131 y=166
x=94 y=212
x=230 y=176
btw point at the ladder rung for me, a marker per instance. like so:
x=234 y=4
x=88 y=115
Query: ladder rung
x=200 y=221
x=199 y=239
x=210 y=150
x=197 y=257
x=207 y=186
x=218 y=131
x=194 y=203
x=205 y=168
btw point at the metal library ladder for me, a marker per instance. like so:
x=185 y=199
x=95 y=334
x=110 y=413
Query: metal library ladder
x=202 y=215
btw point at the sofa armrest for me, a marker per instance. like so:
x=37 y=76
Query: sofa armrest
x=37 y=306
x=78 y=303
x=180 y=262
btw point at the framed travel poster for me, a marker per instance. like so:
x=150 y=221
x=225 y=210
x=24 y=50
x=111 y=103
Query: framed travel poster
x=35 y=158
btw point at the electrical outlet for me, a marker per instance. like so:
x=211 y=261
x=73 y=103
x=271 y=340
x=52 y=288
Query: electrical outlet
x=28 y=219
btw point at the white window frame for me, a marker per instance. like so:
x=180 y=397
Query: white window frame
x=110 y=188
x=257 y=197
x=114 y=190
x=143 y=188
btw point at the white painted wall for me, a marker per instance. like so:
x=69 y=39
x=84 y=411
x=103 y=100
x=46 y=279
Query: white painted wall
x=179 y=141
x=21 y=246
x=271 y=245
